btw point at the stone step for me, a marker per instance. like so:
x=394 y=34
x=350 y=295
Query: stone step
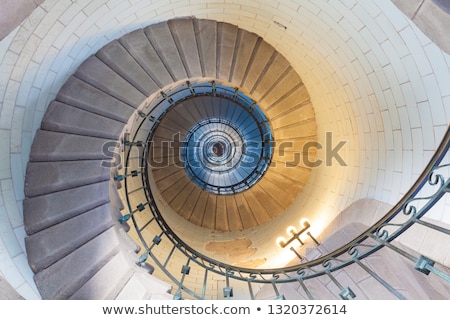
x=162 y=173
x=189 y=205
x=61 y=117
x=7 y=292
x=227 y=41
x=170 y=180
x=177 y=189
x=108 y=282
x=257 y=206
x=63 y=278
x=294 y=101
x=47 y=210
x=81 y=94
x=143 y=286
x=116 y=56
x=60 y=146
x=162 y=40
x=128 y=243
x=267 y=199
x=234 y=217
x=262 y=58
x=49 y=245
x=184 y=36
x=95 y=72
x=294 y=117
x=48 y=177
x=245 y=212
x=206 y=31
x=289 y=81
x=138 y=45
x=115 y=198
x=247 y=43
x=273 y=72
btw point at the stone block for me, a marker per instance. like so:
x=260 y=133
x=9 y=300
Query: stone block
x=60 y=146
x=162 y=40
x=47 y=210
x=145 y=54
x=62 y=279
x=227 y=37
x=248 y=44
x=101 y=76
x=47 y=177
x=116 y=56
x=108 y=282
x=206 y=31
x=184 y=35
x=143 y=286
x=49 y=245
x=80 y=94
x=65 y=118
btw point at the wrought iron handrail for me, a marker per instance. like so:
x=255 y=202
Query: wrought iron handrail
x=373 y=239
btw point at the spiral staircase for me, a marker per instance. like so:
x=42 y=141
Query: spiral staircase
x=77 y=212
x=72 y=205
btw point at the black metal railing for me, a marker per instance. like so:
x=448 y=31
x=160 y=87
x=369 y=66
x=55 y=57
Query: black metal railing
x=147 y=218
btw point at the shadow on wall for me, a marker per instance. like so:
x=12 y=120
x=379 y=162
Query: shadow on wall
x=431 y=16
x=13 y=12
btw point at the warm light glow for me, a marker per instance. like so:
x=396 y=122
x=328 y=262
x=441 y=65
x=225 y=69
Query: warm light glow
x=281 y=242
x=304 y=223
x=291 y=230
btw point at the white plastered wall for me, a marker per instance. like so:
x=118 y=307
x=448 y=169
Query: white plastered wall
x=375 y=81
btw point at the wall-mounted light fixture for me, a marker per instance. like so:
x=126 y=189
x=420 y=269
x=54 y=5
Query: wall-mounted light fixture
x=297 y=235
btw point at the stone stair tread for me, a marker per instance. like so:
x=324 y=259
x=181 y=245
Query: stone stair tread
x=142 y=286
x=273 y=73
x=128 y=242
x=262 y=58
x=257 y=206
x=119 y=59
x=227 y=36
x=81 y=94
x=206 y=31
x=177 y=189
x=289 y=81
x=62 y=117
x=245 y=212
x=108 y=282
x=47 y=210
x=101 y=76
x=138 y=45
x=295 y=101
x=184 y=35
x=47 y=246
x=162 y=40
x=63 y=278
x=60 y=146
x=247 y=44
x=47 y=177
x=115 y=198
